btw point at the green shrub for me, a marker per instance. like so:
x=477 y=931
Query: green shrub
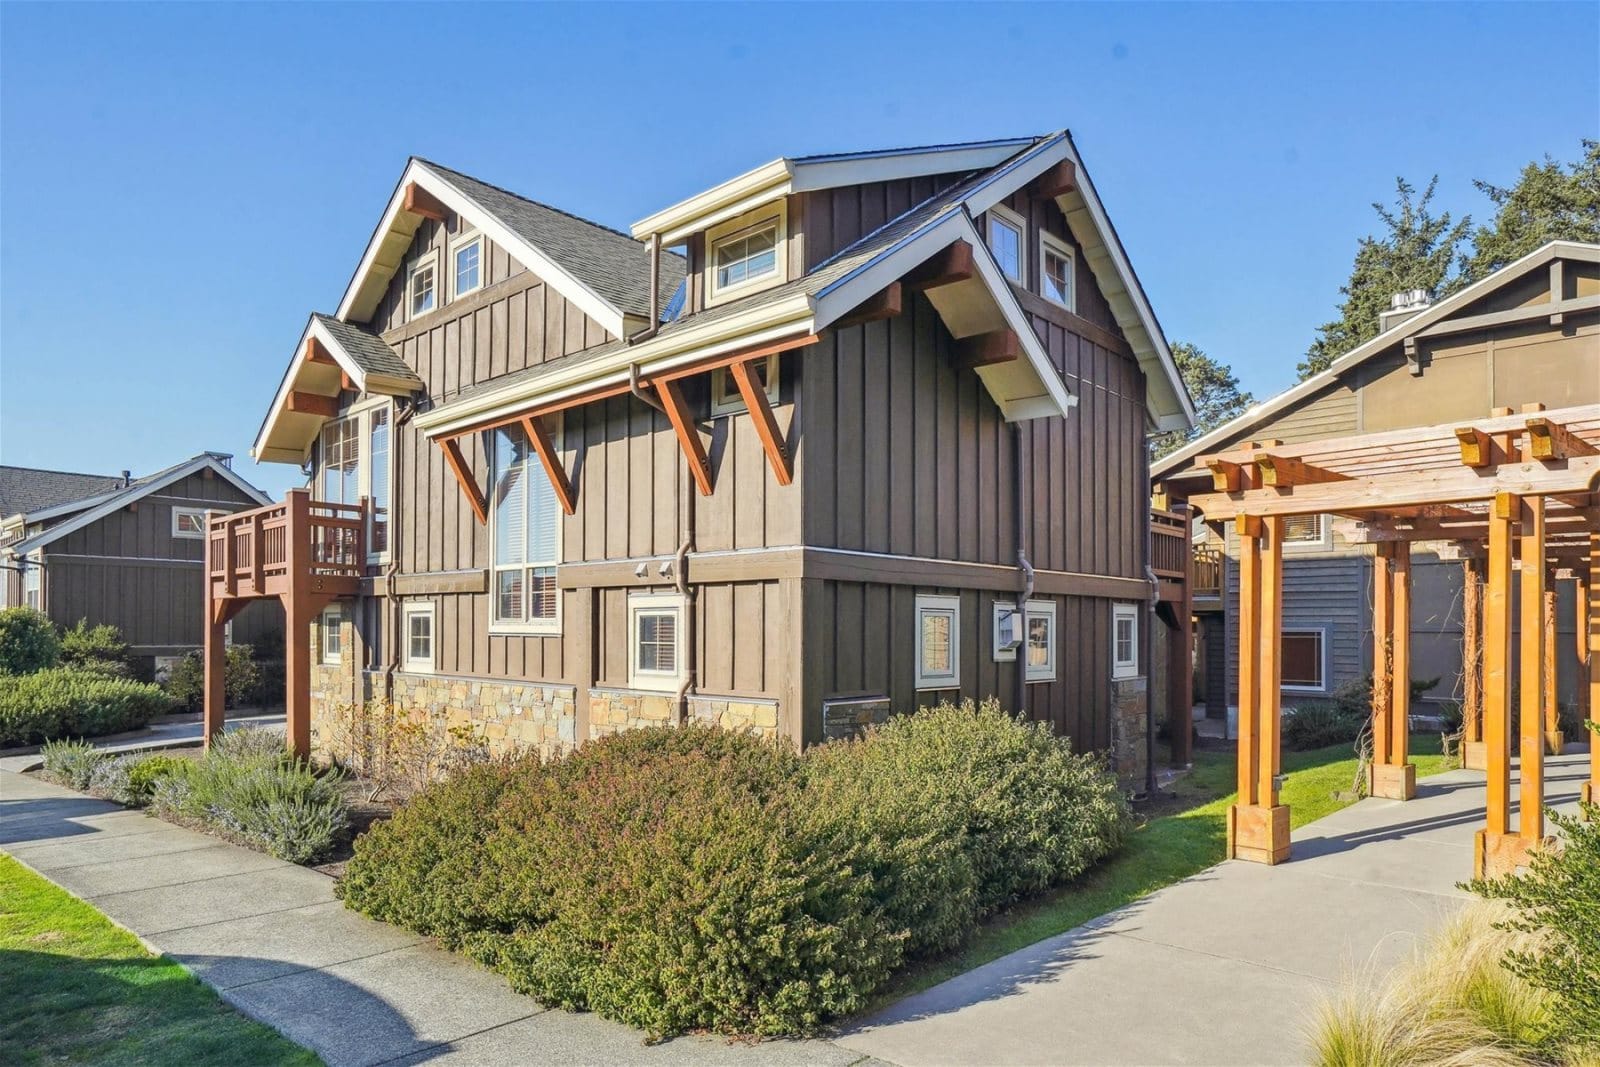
x=28 y=642
x=242 y=679
x=249 y=788
x=959 y=810
x=1557 y=899
x=72 y=763
x=97 y=648
x=1318 y=724
x=63 y=702
x=132 y=779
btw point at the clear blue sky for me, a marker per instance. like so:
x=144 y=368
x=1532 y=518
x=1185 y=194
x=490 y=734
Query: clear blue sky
x=181 y=185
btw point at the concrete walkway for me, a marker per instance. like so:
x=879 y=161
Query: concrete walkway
x=176 y=732
x=272 y=940
x=1222 y=968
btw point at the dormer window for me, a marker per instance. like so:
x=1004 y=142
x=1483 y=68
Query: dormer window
x=746 y=254
x=1055 y=270
x=466 y=258
x=1005 y=242
x=420 y=286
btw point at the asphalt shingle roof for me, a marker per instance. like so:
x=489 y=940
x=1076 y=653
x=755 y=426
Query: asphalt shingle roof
x=610 y=263
x=24 y=490
x=367 y=349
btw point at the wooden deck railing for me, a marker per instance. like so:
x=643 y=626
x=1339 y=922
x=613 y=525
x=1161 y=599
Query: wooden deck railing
x=255 y=553
x=1169 y=545
x=1206 y=571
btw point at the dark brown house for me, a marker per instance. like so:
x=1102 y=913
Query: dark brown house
x=842 y=434
x=122 y=550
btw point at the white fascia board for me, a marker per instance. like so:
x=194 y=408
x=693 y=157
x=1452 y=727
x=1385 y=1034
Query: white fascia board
x=292 y=375
x=369 y=258
x=1438 y=312
x=769 y=176
x=1022 y=170
x=731 y=210
x=772 y=322
x=860 y=168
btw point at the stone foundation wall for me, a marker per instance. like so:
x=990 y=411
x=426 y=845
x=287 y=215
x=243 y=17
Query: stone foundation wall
x=1130 y=728
x=850 y=718
x=510 y=716
x=612 y=711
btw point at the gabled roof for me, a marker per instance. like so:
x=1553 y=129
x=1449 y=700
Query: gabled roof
x=1443 y=309
x=604 y=272
x=24 y=490
x=103 y=504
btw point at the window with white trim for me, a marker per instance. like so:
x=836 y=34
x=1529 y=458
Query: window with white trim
x=525 y=519
x=466 y=264
x=33 y=583
x=725 y=396
x=355 y=454
x=1124 y=641
x=1036 y=635
x=655 y=640
x=189 y=523
x=1056 y=271
x=746 y=254
x=1310 y=530
x=1303 y=656
x=418 y=637
x=938 y=642
x=332 y=635
x=1004 y=237
x=421 y=286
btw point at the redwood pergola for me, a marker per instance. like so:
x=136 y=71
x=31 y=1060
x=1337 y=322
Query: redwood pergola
x=1516 y=496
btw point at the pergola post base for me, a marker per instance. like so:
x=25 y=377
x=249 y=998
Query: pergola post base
x=1495 y=854
x=1474 y=756
x=1258 y=834
x=1588 y=794
x=1392 y=781
x=1553 y=742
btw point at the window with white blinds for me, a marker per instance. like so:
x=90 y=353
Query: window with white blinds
x=1303 y=529
x=526 y=534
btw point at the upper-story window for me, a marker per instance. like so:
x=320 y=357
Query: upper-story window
x=1005 y=242
x=746 y=253
x=355 y=464
x=466 y=261
x=421 y=286
x=526 y=535
x=1055 y=271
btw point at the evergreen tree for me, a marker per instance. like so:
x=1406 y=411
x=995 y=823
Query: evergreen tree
x=1549 y=202
x=1417 y=252
x=1214 y=390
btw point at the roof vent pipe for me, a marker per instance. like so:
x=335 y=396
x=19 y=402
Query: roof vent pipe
x=654 y=325
x=1403 y=306
x=127 y=479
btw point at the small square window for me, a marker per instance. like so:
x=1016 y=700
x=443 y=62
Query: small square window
x=1304 y=661
x=655 y=629
x=1305 y=530
x=1125 y=641
x=332 y=635
x=725 y=396
x=420 y=289
x=1055 y=270
x=466 y=258
x=419 y=638
x=189 y=523
x=938 y=642
x=1005 y=231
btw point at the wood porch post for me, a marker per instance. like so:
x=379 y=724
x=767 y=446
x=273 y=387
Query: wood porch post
x=1258 y=827
x=1472 y=665
x=1490 y=845
x=1382 y=655
x=1271 y=662
x=1547 y=671
x=215 y=651
x=297 y=612
x=1395 y=777
x=1180 y=673
x=1530 y=702
x=1249 y=530
x=1591 y=589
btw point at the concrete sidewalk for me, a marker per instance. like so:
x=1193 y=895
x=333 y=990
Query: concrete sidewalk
x=184 y=732
x=272 y=940
x=1225 y=967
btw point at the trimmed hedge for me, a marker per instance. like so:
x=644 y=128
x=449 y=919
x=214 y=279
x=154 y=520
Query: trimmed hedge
x=696 y=879
x=66 y=702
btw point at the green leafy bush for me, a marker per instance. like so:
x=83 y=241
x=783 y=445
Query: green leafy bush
x=28 y=642
x=694 y=878
x=63 y=702
x=249 y=788
x=1319 y=723
x=71 y=763
x=95 y=648
x=241 y=679
x=132 y=779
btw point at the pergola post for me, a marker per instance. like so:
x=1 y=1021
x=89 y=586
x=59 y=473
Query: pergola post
x=1491 y=844
x=1590 y=595
x=215 y=651
x=1258 y=826
x=1549 y=685
x=1392 y=776
x=298 y=612
x=1472 y=757
x=1530 y=702
x=1180 y=670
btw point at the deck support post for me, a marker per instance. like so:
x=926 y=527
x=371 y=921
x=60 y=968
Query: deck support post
x=1530 y=704
x=215 y=651
x=1180 y=667
x=1258 y=826
x=298 y=613
x=1495 y=848
x=1392 y=777
x=1589 y=593
x=1472 y=756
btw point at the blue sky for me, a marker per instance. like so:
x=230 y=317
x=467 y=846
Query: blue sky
x=181 y=185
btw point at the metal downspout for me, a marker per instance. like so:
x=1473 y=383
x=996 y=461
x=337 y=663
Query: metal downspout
x=1149 y=640
x=680 y=578
x=406 y=408
x=1020 y=695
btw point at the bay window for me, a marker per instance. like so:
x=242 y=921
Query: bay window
x=526 y=536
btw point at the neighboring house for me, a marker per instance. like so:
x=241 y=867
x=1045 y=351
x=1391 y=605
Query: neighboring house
x=122 y=550
x=783 y=488
x=1530 y=333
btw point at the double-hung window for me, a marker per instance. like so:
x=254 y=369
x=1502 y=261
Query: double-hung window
x=526 y=536
x=418 y=638
x=938 y=642
x=1004 y=237
x=1055 y=270
x=356 y=454
x=332 y=635
x=1124 y=641
x=655 y=639
x=466 y=263
x=33 y=583
x=421 y=288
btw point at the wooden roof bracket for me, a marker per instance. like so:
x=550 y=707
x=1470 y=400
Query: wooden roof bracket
x=755 y=401
x=694 y=450
x=534 y=427
x=1413 y=357
x=421 y=202
x=469 y=485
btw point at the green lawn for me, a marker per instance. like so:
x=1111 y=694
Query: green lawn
x=74 y=988
x=1162 y=851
